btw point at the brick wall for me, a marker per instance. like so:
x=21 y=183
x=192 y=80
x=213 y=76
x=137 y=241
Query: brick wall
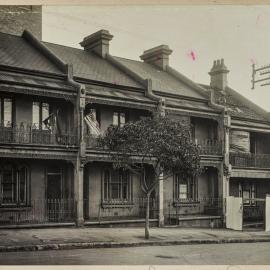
x=14 y=19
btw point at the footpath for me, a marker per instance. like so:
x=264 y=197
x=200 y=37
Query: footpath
x=74 y=238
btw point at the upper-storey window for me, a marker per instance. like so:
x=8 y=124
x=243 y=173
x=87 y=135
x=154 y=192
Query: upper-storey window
x=40 y=112
x=119 y=119
x=6 y=112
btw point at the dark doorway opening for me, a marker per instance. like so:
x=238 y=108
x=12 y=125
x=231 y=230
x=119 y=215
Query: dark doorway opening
x=54 y=194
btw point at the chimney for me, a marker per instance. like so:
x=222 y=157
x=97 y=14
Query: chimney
x=158 y=56
x=97 y=42
x=218 y=75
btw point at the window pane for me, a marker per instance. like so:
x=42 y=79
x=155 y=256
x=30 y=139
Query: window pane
x=7 y=112
x=22 y=185
x=115 y=118
x=122 y=119
x=45 y=114
x=106 y=185
x=246 y=194
x=115 y=190
x=183 y=191
x=35 y=115
x=8 y=186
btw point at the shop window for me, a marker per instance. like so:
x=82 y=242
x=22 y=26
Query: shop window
x=6 y=112
x=14 y=185
x=119 y=119
x=184 y=188
x=40 y=112
x=117 y=185
x=248 y=192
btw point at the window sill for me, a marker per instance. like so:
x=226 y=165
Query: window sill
x=16 y=208
x=117 y=204
x=186 y=203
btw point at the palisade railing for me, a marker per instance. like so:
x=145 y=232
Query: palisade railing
x=204 y=206
x=30 y=134
x=39 y=212
x=206 y=147
x=210 y=147
x=114 y=209
x=249 y=160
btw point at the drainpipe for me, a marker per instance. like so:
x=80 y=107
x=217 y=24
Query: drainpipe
x=149 y=93
x=80 y=104
x=225 y=170
x=80 y=161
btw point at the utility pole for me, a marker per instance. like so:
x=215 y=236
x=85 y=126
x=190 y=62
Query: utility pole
x=260 y=75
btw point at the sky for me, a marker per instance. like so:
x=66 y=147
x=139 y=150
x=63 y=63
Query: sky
x=198 y=35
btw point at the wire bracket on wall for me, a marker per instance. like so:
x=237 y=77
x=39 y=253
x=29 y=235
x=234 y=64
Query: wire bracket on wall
x=260 y=75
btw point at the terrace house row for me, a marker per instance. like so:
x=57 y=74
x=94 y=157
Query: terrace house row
x=55 y=100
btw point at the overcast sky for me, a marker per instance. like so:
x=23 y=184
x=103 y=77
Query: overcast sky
x=196 y=34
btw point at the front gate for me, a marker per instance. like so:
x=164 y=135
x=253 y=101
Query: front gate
x=234 y=213
x=248 y=213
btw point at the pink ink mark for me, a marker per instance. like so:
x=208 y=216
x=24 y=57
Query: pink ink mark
x=253 y=61
x=192 y=55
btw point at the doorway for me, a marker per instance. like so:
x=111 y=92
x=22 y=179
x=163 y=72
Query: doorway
x=54 y=196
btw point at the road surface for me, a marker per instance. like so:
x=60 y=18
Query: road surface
x=233 y=254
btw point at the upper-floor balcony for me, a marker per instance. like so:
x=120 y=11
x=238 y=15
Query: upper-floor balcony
x=207 y=146
x=210 y=147
x=250 y=160
x=24 y=133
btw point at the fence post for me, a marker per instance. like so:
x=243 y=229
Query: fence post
x=160 y=202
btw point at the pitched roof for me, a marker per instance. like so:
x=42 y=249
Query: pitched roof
x=28 y=80
x=89 y=66
x=161 y=81
x=239 y=106
x=17 y=52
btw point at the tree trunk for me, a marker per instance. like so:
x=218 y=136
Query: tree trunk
x=147 y=235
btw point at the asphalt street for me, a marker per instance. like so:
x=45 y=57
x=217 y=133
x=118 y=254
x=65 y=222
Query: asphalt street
x=233 y=254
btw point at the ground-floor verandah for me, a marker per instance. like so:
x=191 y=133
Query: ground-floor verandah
x=53 y=191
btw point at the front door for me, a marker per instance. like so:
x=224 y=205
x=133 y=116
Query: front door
x=234 y=213
x=54 y=195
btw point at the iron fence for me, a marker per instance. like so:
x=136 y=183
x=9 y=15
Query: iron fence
x=100 y=210
x=210 y=147
x=30 y=134
x=253 y=209
x=206 y=206
x=39 y=212
x=206 y=147
x=249 y=160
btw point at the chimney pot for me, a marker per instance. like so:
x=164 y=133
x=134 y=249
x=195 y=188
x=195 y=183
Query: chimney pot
x=98 y=42
x=218 y=75
x=158 y=56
